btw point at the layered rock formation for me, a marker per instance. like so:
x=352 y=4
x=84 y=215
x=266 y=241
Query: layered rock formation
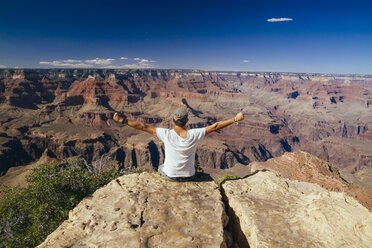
x=264 y=210
x=305 y=167
x=328 y=115
x=277 y=212
x=68 y=112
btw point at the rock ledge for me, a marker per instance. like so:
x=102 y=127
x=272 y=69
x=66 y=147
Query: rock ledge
x=143 y=210
x=277 y=212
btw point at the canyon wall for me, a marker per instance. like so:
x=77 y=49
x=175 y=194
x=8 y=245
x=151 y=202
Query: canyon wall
x=68 y=112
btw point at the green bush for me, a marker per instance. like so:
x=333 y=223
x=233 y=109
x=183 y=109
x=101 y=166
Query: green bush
x=28 y=215
x=198 y=168
x=225 y=177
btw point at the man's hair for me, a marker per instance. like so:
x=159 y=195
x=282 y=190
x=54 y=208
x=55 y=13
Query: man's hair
x=180 y=117
x=180 y=123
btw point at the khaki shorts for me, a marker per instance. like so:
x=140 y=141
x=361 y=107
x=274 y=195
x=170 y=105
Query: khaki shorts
x=174 y=179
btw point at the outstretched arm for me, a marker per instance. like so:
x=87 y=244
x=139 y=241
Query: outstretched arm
x=222 y=124
x=135 y=124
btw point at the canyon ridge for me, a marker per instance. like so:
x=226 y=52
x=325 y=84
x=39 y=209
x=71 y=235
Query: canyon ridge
x=59 y=113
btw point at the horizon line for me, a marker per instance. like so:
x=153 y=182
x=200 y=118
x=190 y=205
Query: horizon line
x=191 y=69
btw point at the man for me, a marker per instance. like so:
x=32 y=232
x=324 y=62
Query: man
x=180 y=144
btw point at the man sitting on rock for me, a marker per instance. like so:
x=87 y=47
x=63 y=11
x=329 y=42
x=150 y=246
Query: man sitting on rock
x=180 y=144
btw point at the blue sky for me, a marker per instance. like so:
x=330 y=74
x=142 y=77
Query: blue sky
x=317 y=36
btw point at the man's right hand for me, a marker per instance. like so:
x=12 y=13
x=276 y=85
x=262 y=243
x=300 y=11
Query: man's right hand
x=119 y=117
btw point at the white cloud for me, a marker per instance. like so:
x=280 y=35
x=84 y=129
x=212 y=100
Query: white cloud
x=146 y=61
x=2 y=66
x=143 y=61
x=130 y=66
x=282 y=19
x=63 y=64
x=99 y=61
x=246 y=61
x=140 y=64
x=72 y=61
x=55 y=63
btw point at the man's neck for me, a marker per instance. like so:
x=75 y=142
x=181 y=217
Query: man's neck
x=181 y=131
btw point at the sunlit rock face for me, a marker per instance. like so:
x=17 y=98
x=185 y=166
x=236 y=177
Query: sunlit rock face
x=144 y=210
x=261 y=210
x=305 y=167
x=277 y=212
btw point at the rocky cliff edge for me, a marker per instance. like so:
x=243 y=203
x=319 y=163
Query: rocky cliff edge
x=263 y=210
x=143 y=210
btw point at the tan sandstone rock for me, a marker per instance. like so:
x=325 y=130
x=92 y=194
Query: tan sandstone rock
x=144 y=210
x=306 y=167
x=278 y=212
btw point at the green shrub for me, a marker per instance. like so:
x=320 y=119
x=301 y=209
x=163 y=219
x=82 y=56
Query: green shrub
x=198 y=168
x=225 y=177
x=28 y=215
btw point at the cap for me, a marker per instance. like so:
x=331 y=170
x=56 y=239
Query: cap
x=181 y=114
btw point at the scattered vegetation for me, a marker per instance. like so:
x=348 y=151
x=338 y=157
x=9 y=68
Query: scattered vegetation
x=225 y=177
x=29 y=214
x=136 y=170
x=198 y=168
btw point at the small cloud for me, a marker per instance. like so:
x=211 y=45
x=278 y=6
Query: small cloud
x=246 y=61
x=55 y=63
x=72 y=61
x=146 y=61
x=2 y=66
x=99 y=61
x=140 y=64
x=143 y=61
x=282 y=19
x=63 y=64
x=123 y=58
x=130 y=66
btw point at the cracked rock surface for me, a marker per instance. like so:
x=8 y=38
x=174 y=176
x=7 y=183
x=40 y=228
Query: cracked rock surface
x=275 y=212
x=264 y=210
x=144 y=210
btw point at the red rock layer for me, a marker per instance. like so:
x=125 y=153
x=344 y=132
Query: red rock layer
x=308 y=168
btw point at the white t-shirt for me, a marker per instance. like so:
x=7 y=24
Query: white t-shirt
x=179 y=152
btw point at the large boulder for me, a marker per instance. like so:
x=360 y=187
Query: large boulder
x=271 y=211
x=306 y=167
x=144 y=210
